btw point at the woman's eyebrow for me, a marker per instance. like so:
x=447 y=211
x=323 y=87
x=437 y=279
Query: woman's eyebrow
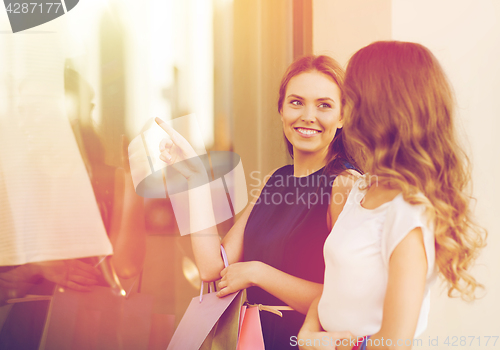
x=295 y=96
x=318 y=99
x=325 y=99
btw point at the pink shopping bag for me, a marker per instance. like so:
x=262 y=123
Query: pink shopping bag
x=250 y=337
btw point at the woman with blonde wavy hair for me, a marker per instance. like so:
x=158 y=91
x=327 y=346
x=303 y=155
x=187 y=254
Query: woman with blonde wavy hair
x=408 y=218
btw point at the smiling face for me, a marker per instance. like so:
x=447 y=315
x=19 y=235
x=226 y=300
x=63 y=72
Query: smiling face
x=311 y=112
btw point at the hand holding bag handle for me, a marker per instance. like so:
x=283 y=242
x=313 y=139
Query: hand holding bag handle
x=239 y=328
x=209 y=322
x=213 y=323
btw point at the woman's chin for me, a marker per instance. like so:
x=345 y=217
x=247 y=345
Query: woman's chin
x=307 y=151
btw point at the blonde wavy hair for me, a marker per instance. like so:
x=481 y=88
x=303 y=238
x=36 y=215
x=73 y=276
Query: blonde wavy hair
x=399 y=125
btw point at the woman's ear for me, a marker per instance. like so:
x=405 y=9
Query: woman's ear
x=343 y=110
x=340 y=123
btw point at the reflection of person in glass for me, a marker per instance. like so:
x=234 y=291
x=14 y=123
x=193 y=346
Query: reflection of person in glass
x=123 y=217
x=275 y=247
x=392 y=239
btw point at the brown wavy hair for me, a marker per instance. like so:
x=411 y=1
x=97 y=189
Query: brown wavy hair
x=399 y=114
x=337 y=152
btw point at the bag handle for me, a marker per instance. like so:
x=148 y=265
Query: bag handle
x=273 y=309
x=225 y=260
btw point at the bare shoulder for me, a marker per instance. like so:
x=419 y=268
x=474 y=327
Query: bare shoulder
x=345 y=181
x=341 y=188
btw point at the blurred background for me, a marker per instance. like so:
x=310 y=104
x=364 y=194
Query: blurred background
x=223 y=60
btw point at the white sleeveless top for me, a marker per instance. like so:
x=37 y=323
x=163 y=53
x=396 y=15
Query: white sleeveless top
x=357 y=253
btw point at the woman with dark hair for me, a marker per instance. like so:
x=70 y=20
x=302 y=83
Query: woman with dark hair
x=275 y=247
x=337 y=156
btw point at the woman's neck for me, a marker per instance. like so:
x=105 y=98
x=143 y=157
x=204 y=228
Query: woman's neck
x=307 y=163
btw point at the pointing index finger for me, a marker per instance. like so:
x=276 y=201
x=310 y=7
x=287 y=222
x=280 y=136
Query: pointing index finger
x=168 y=129
x=177 y=138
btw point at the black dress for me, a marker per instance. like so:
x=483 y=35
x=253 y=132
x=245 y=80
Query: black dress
x=287 y=229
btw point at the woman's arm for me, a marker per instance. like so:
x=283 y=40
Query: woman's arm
x=206 y=243
x=311 y=323
x=180 y=155
x=402 y=303
x=404 y=295
x=405 y=291
x=340 y=191
x=313 y=337
x=205 y=240
x=295 y=292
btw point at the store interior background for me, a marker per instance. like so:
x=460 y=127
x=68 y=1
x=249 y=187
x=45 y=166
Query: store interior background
x=223 y=60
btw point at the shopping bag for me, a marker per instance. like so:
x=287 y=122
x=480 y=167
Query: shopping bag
x=250 y=335
x=238 y=328
x=213 y=323
x=224 y=334
x=99 y=319
x=209 y=322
